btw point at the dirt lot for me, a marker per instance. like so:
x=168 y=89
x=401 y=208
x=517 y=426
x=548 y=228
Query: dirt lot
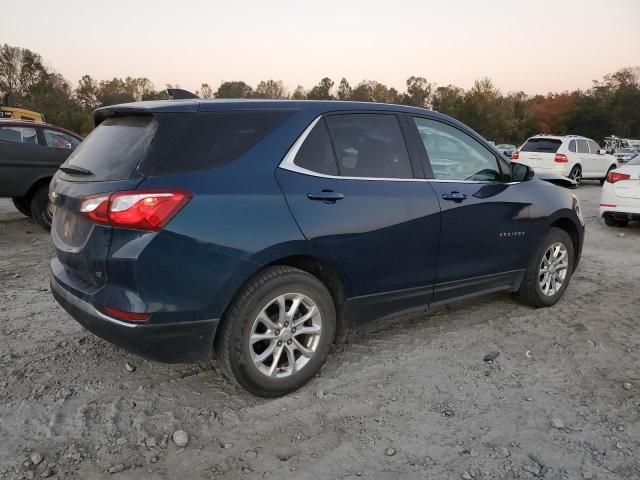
x=409 y=398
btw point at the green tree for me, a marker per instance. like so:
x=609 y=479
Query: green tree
x=299 y=93
x=322 y=91
x=205 y=91
x=418 y=92
x=20 y=70
x=235 y=89
x=87 y=92
x=270 y=89
x=363 y=92
x=344 y=90
x=448 y=100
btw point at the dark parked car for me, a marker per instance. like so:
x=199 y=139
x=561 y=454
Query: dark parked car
x=30 y=153
x=264 y=229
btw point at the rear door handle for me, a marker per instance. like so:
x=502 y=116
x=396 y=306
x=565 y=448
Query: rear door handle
x=454 y=196
x=327 y=196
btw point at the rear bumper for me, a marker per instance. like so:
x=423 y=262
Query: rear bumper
x=185 y=341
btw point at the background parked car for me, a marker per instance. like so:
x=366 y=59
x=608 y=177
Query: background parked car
x=30 y=153
x=625 y=154
x=507 y=149
x=573 y=156
x=620 y=197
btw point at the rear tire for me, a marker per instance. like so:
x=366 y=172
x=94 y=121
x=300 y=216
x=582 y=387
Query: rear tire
x=22 y=205
x=576 y=174
x=41 y=211
x=256 y=312
x=535 y=290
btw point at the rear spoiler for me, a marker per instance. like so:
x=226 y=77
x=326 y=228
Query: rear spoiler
x=180 y=94
x=556 y=179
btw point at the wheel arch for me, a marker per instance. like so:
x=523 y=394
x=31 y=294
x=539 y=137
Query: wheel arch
x=330 y=274
x=566 y=224
x=39 y=183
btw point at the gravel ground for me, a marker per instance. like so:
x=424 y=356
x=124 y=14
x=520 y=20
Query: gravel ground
x=408 y=398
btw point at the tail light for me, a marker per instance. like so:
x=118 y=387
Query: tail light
x=135 y=209
x=614 y=177
x=560 y=158
x=515 y=155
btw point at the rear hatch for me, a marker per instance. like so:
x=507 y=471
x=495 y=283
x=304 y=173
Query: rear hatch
x=105 y=161
x=539 y=152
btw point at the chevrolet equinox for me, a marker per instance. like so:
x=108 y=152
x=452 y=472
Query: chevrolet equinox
x=263 y=230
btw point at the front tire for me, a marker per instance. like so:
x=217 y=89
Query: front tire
x=549 y=270
x=41 y=210
x=277 y=332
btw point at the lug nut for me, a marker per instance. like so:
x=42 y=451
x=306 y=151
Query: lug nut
x=279 y=343
x=288 y=342
x=277 y=332
x=293 y=330
x=286 y=324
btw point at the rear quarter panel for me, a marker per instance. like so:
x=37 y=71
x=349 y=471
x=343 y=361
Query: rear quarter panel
x=237 y=222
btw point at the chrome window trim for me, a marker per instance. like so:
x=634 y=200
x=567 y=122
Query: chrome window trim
x=287 y=163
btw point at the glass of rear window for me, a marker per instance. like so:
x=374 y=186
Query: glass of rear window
x=216 y=138
x=541 y=145
x=114 y=149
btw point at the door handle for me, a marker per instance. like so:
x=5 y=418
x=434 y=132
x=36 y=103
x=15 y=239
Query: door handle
x=326 y=196
x=454 y=196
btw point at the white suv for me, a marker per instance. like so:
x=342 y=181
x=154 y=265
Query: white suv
x=572 y=156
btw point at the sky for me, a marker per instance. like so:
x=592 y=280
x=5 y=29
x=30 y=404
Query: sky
x=534 y=46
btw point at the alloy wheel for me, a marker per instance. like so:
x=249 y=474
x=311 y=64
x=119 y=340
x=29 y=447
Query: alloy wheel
x=553 y=269
x=285 y=335
x=576 y=174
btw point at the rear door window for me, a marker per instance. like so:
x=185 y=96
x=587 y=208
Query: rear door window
x=582 y=146
x=57 y=139
x=369 y=145
x=216 y=138
x=114 y=149
x=17 y=134
x=541 y=145
x=316 y=153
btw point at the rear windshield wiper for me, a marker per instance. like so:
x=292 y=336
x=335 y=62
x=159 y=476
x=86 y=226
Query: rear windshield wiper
x=74 y=170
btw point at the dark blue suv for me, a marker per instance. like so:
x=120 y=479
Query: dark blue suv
x=263 y=230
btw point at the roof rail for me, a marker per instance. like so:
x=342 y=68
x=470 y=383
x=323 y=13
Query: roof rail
x=180 y=94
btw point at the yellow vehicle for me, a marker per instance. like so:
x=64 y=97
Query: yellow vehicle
x=17 y=113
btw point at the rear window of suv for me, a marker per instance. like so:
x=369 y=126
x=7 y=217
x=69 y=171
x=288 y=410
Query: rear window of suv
x=542 y=145
x=114 y=149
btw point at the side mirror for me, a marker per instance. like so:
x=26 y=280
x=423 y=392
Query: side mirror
x=520 y=172
x=602 y=151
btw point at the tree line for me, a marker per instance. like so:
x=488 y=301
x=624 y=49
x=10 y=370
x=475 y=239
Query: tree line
x=610 y=106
